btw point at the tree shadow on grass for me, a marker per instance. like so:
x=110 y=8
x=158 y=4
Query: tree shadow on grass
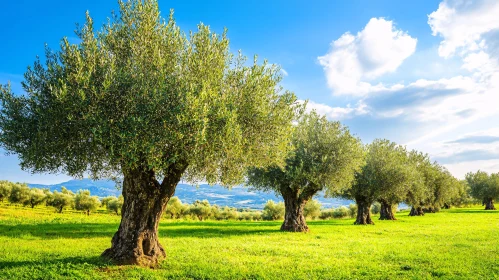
x=45 y=264
x=56 y=231
x=474 y=211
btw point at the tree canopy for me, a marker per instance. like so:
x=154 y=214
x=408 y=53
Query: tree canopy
x=484 y=187
x=325 y=157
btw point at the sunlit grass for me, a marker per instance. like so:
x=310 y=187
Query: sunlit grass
x=457 y=243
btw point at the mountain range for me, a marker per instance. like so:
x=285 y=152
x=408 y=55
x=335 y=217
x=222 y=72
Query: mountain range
x=239 y=197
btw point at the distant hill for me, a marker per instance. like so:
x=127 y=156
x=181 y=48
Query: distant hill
x=239 y=197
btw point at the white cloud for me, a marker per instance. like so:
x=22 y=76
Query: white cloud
x=462 y=24
x=354 y=60
x=337 y=113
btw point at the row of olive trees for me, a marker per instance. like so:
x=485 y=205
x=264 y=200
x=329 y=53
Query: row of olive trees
x=327 y=158
x=19 y=193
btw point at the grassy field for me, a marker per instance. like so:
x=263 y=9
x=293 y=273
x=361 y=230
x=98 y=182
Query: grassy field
x=453 y=244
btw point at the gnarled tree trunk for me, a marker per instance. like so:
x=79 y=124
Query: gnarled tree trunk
x=294 y=220
x=363 y=212
x=416 y=211
x=489 y=204
x=145 y=199
x=386 y=211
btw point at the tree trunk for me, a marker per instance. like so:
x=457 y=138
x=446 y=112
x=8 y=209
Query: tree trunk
x=489 y=204
x=293 y=218
x=386 y=212
x=363 y=212
x=136 y=241
x=416 y=211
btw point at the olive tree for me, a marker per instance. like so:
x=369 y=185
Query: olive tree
x=19 y=193
x=85 y=202
x=5 y=188
x=142 y=101
x=386 y=177
x=484 y=187
x=273 y=211
x=325 y=158
x=115 y=205
x=421 y=192
x=35 y=197
x=61 y=200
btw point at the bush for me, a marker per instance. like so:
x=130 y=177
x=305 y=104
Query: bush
x=312 y=209
x=201 y=209
x=353 y=210
x=228 y=214
x=326 y=214
x=175 y=209
x=104 y=202
x=273 y=211
x=341 y=212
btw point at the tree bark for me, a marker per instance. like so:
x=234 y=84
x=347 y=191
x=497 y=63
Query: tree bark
x=489 y=204
x=136 y=241
x=386 y=212
x=416 y=211
x=363 y=212
x=294 y=220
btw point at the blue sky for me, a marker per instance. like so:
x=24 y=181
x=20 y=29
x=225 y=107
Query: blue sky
x=421 y=73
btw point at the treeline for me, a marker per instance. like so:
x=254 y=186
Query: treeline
x=21 y=194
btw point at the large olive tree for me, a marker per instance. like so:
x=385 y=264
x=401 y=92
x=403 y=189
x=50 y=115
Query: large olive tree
x=141 y=100
x=325 y=158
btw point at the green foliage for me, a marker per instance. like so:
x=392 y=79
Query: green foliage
x=327 y=214
x=325 y=158
x=341 y=212
x=36 y=197
x=387 y=175
x=105 y=201
x=312 y=209
x=85 y=202
x=483 y=186
x=273 y=211
x=5 y=188
x=141 y=94
x=376 y=208
x=115 y=205
x=353 y=210
x=201 y=209
x=19 y=193
x=61 y=200
x=175 y=209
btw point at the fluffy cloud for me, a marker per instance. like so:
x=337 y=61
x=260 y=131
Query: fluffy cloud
x=464 y=24
x=354 y=60
x=337 y=113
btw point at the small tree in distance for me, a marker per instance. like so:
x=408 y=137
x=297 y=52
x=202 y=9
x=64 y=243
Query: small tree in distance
x=325 y=158
x=273 y=211
x=484 y=187
x=35 y=197
x=115 y=205
x=61 y=200
x=85 y=202
x=5 y=188
x=19 y=193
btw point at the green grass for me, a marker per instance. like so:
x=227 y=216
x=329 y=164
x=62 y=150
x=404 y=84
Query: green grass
x=452 y=244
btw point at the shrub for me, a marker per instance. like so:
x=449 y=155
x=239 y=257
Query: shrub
x=312 y=209
x=104 y=202
x=273 y=211
x=353 y=210
x=326 y=214
x=341 y=212
x=175 y=209
x=201 y=209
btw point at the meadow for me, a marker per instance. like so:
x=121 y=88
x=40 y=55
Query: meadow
x=452 y=244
